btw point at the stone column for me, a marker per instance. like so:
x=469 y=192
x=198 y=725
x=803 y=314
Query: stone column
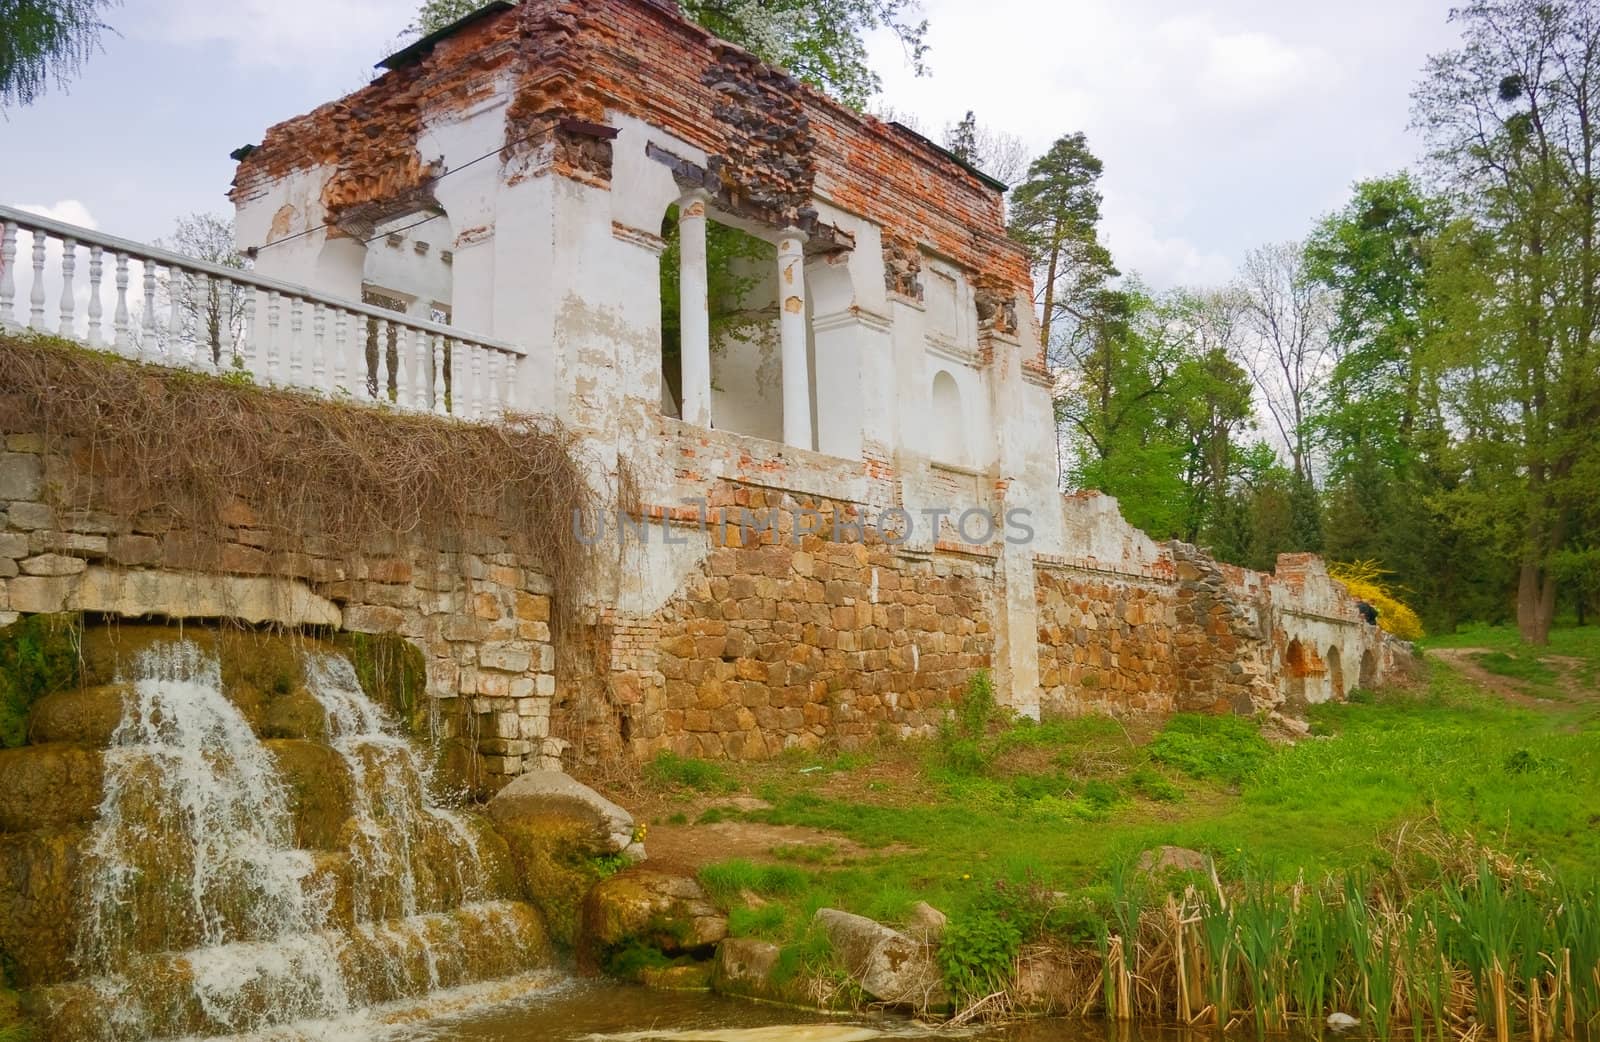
x=694 y=320
x=792 y=338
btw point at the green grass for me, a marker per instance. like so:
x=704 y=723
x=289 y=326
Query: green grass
x=1055 y=805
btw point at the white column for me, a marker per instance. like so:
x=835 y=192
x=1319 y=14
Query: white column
x=792 y=337
x=694 y=306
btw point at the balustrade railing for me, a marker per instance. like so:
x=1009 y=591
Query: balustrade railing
x=182 y=311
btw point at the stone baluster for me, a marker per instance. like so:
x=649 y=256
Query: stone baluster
x=440 y=389
x=177 y=292
x=8 y=281
x=274 y=303
x=511 y=383
x=420 y=381
x=402 y=367
x=150 y=341
x=478 y=395
x=121 y=329
x=380 y=385
x=341 y=328
x=252 y=327
x=694 y=357
x=36 y=292
x=69 y=297
x=96 y=313
x=209 y=322
x=296 y=349
x=792 y=338
x=319 y=347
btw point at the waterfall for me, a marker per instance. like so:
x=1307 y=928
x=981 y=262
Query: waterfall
x=202 y=917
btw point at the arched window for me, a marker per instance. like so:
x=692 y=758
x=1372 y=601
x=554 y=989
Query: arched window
x=948 y=442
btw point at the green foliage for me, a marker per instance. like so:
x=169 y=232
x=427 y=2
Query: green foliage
x=38 y=655
x=1152 y=785
x=725 y=881
x=1509 y=665
x=821 y=42
x=669 y=769
x=45 y=41
x=981 y=942
x=768 y=921
x=1221 y=748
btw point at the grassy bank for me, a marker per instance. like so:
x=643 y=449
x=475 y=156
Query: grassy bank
x=1386 y=865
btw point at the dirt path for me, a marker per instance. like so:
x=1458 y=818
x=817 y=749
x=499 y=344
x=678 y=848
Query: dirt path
x=1568 y=681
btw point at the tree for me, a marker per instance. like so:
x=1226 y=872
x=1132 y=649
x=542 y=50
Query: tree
x=1511 y=117
x=821 y=42
x=1373 y=257
x=1002 y=156
x=1055 y=215
x=216 y=313
x=1289 y=352
x=45 y=41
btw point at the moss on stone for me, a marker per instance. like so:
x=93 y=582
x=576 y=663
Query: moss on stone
x=392 y=673
x=38 y=655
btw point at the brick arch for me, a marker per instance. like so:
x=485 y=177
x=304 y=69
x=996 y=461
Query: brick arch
x=1335 y=672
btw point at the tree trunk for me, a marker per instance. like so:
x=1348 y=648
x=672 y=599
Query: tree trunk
x=1536 y=603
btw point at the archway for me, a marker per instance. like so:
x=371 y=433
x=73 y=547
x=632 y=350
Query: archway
x=947 y=443
x=1335 y=673
x=1369 y=669
x=1295 y=669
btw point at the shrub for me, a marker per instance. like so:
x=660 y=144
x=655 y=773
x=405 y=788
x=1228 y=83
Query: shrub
x=1364 y=579
x=980 y=945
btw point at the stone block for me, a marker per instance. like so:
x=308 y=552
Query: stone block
x=31 y=516
x=53 y=564
x=21 y=475
x=13 y=544
x=37 y=593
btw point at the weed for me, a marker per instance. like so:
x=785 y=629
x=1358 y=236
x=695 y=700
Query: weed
x=38 y=655
x=1220 y=748
x=727 y=880
x=669 y=769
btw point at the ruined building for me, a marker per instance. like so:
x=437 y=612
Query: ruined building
x=844 y=453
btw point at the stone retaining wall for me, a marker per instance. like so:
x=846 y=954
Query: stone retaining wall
x=481 y=619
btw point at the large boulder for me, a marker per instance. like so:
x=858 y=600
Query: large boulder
x=542 y=796
x=1163 y=859
x=560 y=832
x=886 y=964
x=642 y=908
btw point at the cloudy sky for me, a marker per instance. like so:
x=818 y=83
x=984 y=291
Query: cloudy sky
x=1222 y=123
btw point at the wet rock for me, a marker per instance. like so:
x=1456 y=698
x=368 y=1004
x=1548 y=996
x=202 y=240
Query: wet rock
x=542 y=796
x=1342 y=1021
x=296 y=714
x=886 y=964
x=48 y=786
x=640 y=907
x=88 y=715
x=557 y=830
x=926 y=923
x=1045 y=982
x=751 y=969
x=1163 y=859
x=689 y=976
x=39 y=911
x=317 y=781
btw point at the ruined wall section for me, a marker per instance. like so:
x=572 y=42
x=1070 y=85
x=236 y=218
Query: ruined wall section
x=799 y=635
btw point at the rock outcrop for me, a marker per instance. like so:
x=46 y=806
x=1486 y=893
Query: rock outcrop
x=640 y=907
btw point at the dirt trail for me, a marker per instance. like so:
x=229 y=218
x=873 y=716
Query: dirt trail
x=1568 y=682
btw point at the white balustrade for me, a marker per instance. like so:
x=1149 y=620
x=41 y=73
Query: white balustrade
x=190 y=313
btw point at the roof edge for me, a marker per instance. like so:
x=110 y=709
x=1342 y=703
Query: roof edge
x=417 y=50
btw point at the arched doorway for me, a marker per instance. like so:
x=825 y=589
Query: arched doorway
x=1335 y=673
x=1369 y=669
x=1295 y=669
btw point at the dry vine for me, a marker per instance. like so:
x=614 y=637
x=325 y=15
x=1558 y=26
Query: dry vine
x=325 y=477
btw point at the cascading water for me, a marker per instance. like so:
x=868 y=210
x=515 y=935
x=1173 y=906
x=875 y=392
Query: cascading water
x=202 y=917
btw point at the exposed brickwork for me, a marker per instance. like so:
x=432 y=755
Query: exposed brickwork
x=773 y=142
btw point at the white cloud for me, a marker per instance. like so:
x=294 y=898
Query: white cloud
x=286 y=33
